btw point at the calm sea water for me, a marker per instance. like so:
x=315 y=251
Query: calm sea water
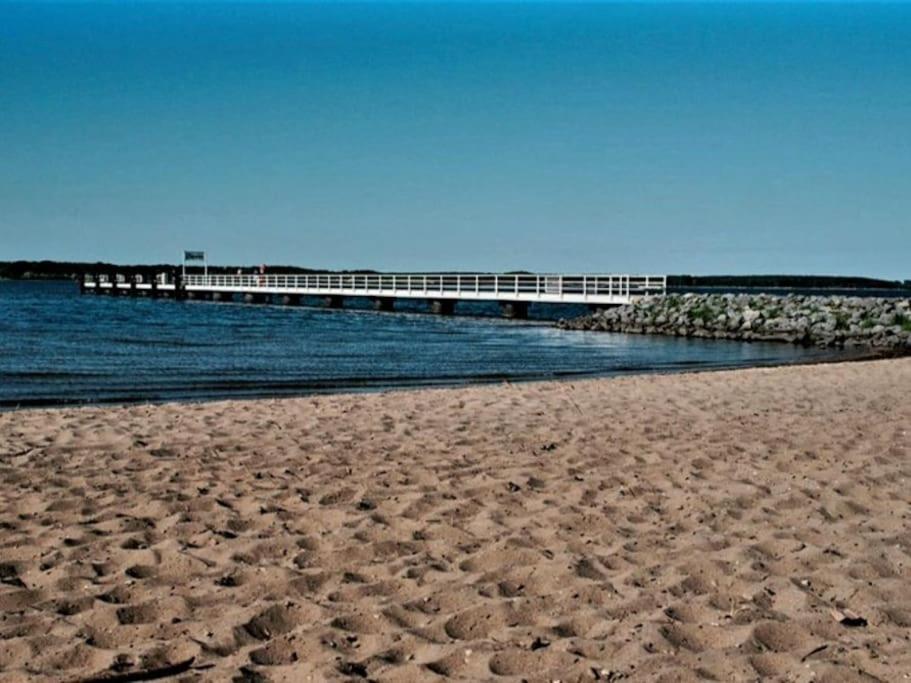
x=59 y=347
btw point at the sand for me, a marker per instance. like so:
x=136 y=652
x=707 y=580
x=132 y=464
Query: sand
x=722 y=526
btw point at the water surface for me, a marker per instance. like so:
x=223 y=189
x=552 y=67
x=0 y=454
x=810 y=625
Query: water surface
x=59 y=347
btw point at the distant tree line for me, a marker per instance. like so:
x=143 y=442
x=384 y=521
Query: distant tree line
x=74 y=270
x=783 y=282
x=70 y=270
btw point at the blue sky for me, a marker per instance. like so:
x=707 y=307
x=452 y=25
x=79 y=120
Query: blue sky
x=681 y=138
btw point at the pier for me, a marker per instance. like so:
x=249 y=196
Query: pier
x=442 y=291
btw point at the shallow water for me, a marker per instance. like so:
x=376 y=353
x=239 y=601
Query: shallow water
x=59 y=347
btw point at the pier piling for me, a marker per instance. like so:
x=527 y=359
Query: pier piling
x=442 y=306
x=180 y=293
x=384 y=304
x=517 y=310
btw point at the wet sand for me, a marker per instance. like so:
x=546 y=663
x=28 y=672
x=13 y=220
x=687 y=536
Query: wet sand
x=720 y=526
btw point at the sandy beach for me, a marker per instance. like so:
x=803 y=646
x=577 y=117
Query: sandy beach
x=728 y=526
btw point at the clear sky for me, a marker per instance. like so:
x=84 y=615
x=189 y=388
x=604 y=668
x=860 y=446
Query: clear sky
x=681 y=138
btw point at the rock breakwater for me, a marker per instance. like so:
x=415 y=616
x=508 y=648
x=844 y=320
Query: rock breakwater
x=826 y=321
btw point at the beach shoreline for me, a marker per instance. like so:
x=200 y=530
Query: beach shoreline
x=732 y=524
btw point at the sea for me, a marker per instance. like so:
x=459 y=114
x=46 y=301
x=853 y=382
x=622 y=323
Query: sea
x=59 y=347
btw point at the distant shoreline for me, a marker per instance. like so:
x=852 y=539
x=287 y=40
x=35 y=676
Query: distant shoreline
x=834 y=290
x=73 y=270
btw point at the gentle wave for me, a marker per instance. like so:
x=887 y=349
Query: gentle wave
x=177 y=344
x=51 y=375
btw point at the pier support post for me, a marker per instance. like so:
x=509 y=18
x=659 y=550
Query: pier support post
x=179 y=292
x=221 y=296
x=383 y=303
x=291 y=300
x=253 y=298
x=333 y=301
x=442 y=306
x=517 y=310
x=154 y=291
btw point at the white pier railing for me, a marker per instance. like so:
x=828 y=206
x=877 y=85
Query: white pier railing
x=545 y=288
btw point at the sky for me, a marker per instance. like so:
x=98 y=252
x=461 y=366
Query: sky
x=609 y=137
